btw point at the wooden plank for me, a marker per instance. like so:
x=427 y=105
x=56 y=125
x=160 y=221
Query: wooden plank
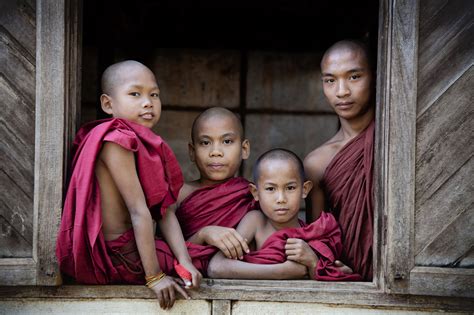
x=17 y=271
x=444 y=135
x=445 y=46
x=17 y=90
x=50 y=134
x=18 y=17
x=400 y=109
x=16 y=174
x=438 y=212
x=17 y=65
x=221 y=307
x=285 y=80
x=56 y=117
x=442 y=281
x=198 y=77
x=217 y=291
x=380 y=141
x=452 y=242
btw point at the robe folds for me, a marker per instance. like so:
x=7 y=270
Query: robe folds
x=323 y=236
x=81 y=249
x=347 y=182
x=223 y=204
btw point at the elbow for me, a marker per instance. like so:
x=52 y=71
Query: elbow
x=215 y=270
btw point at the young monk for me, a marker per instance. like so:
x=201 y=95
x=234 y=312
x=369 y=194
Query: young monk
x=123 y=177
x=210 y=207
x=276 y=232
x=341 y=169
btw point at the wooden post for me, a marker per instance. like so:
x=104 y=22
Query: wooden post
x=57 y=61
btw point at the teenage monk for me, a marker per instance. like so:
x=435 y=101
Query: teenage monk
x=341 y=169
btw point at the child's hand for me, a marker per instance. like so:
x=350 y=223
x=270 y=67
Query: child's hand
x=165 y=292
x=228 y=240
x=299 y=251
x=195 y=275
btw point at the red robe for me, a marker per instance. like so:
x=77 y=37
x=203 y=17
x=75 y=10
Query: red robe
x=348 y=183
x=323 y=236
x=81 y=249
x=223 y=204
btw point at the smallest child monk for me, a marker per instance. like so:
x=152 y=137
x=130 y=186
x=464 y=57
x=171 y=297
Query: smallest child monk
x=278 y=238
x=123 y=179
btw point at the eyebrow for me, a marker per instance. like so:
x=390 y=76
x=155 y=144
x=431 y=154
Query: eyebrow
x=136 y=86
x=327 y=74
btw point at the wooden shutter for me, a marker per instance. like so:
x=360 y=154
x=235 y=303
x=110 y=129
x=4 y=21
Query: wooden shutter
x=39 y=91
x=17 y=138
x=430 y=191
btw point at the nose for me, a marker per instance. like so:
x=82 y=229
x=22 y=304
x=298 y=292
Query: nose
x=216 y=151
x=342 y=89
x=147 y=102
x=281 y=197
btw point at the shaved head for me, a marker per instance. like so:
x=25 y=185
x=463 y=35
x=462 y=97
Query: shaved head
x=353 y=46
x=219 y=112
x=280 y=155
x=115 y=74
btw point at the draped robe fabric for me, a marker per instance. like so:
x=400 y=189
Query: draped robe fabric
x=323 y=236
x=81 y=249
x=347 y=182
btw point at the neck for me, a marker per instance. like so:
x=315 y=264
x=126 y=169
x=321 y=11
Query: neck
x=293 y=223
x=351 y=128
x=203 y=182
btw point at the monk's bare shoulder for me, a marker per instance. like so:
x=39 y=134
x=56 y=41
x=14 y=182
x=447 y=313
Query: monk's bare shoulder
x=187 y=189
x=317 y=161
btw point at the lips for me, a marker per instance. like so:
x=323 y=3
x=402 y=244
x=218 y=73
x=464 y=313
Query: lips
x=344 y=105
x=282 y=210
x=216 y=166
x=147 y=115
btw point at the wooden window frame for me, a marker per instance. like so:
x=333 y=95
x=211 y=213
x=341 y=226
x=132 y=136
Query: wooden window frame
x=57 y=111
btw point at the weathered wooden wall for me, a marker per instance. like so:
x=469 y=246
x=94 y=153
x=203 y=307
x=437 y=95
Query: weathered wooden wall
x=17 y=128
x=278 y=95
x=444 y=191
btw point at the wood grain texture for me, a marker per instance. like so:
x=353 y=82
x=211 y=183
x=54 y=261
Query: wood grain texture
x=444 y=166
x=56 y=116
x=442 y=282
x=17 y=271
x=17 y=90
x=400 y=110
x=445 y=48
x=445 y=128
x=198 y=77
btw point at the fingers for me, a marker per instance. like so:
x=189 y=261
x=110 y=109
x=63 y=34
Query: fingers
x=181 y=291
x=243 y=246
x=338 y=263
x=230 y=251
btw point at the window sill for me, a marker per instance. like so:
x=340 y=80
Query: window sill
x=339 y=293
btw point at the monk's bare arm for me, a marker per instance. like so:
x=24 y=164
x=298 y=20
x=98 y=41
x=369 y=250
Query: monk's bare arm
x=314 y=169
x=222 y=267
x=121 y=165
x=173 y=235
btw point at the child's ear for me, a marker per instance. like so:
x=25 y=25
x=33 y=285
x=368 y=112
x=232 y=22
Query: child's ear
x=106 y=104
x=253 y=190
x=245 y=149
x=307 y=186
x=191 y=152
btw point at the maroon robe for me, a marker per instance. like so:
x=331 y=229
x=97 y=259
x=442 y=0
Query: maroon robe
x=81 y=249
x=348 y=183
x=323 y=236
x=224 y=204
